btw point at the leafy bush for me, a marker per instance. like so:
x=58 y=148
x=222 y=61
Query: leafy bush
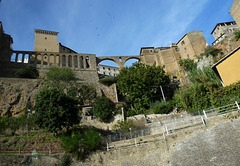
x=210 y=50
x=15 y=123
x=60 y=74
x=162 y=107
x=123 y=125
x=104 y=109
x=188 y=64
x=193 y=98
x=55 y=110
x=66 y=161
x=81 y=143
x=108 y=80
x=27 y=72
x=226 y=95
x=237 y=35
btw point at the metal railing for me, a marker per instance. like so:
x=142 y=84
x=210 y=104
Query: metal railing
x=163 y=129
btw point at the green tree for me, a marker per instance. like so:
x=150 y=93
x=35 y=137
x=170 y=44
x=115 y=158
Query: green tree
x=27 y=72
x=104 y=109
x=54 y=110
x=140 y=84
x=85 y=94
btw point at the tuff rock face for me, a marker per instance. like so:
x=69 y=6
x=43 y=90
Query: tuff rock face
x=17 y=95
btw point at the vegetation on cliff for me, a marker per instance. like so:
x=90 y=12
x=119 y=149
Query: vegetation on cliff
x=27 y=72
x=237 y=35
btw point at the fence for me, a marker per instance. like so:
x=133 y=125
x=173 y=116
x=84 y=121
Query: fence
x=221 y=110
x=171 y=125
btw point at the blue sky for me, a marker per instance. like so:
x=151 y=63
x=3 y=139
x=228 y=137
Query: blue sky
x=111 y=27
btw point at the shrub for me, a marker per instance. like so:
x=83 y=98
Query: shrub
x=188 y=64
x=60 y=74
x=27 y=72
x=226 y=95
x=15 y=123
x=162 y=107
x=81 y=143
x=123 y=125
x=108 y=80
x=237 y=35
x=66 y=161
x=104 y=109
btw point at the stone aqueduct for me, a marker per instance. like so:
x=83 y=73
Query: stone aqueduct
x=71 y=60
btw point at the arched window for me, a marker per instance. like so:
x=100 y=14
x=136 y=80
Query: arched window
x=87 y=62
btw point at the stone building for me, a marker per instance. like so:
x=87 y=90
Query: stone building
x=108 y=70
x=223 y=30
x=46 y=41
x=6 y=42
x=235 y=11
x=192 y=43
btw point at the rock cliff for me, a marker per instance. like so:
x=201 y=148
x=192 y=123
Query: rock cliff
x=17 y=95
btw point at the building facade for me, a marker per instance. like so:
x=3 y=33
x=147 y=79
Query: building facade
x=107 y=70
x=46 y=41
x=223 y=30
x=235 y=11
x=192 y=43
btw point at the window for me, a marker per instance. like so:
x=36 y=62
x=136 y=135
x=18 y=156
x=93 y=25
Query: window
x=114 y=69
x=185 y=49
x=115 y=75
x=150 y=51
x=188 y=56
x=104 y=73
x=45 y=49
x=109 y=69
x=45 y=38
x=183 y=42
x=103 y=68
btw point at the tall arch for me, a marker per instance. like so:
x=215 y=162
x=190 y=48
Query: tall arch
x=129 y=61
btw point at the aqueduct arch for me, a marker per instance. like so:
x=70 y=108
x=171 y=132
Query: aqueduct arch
x=119 y=60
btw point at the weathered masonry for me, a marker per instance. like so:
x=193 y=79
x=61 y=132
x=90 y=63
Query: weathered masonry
x=84 y=65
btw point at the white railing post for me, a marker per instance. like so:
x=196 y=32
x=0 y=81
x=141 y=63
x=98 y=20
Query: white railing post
x=205 y=114
x=237 y=105
x=203 y=121
x=166 y=129
x=135 y=142
x=107 y=147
